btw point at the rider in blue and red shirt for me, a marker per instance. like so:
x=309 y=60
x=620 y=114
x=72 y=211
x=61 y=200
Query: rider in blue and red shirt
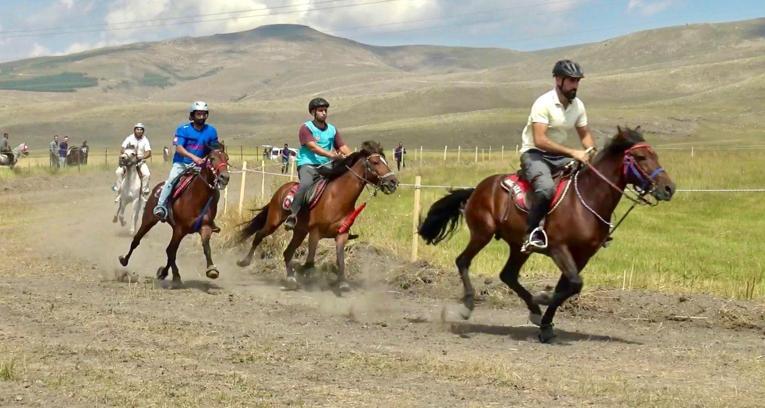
x=192 y=142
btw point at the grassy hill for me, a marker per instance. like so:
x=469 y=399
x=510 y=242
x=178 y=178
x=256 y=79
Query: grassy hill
x=683 y=82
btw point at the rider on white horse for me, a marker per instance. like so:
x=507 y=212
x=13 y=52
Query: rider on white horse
x=140 y=143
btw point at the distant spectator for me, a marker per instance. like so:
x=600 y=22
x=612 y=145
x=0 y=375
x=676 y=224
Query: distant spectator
x=63 y=150
x=398 y=153
x=285 y=158
x=84 y=150
x=5 y=147
x=53 y=150
x=165 y=154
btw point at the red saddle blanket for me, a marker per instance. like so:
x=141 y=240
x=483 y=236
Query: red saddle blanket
x=519 y=188
x=182 y=183
x=311 y=197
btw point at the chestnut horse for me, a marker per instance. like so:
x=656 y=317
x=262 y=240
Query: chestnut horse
x=576 y=229
x=347 y=179
x=193 y=211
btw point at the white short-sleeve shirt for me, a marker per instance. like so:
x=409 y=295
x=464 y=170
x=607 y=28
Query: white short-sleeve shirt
x=142 y=146
x=549 y=110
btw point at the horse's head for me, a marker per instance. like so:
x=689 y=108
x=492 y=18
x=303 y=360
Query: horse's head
x=217 y=162
x=376 y=168
x=129 y=157
x=640 y=165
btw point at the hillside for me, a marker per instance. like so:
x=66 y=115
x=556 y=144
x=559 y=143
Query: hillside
x=259 y=81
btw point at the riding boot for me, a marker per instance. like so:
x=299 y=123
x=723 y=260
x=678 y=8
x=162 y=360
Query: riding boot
x=537 y=213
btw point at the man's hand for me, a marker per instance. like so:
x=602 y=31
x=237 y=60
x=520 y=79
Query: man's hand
x=581 y=155
x=198 y=161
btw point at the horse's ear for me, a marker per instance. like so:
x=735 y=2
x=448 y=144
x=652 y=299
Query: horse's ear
x=618 y=129
x=637 y=129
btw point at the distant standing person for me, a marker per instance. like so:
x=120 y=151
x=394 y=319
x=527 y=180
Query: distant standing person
x=63 y=150
x=84 y=150
x=5 y=146
x=285 y=158
x=398 y=154
x=53 y=150
x=165 y=154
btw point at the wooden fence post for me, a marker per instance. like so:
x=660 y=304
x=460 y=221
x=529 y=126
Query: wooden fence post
x=459 y=152
x=445 y=147
x=263 y=180
x=241 y=153
x=476 y=154
x=292 y=169
x=241 y=187
x=106 y=158
x=225 y=200
x=416 y=216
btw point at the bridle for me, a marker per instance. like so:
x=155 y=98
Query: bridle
x=646 y=183
x=216 y=170
x=369 y=170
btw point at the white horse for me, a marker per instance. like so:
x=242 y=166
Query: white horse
x=21 y=150
x=130 y=191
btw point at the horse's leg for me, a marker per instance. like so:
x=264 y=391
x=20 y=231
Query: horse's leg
x=571 y=285
x=476 y=244
x=146 y=224
x=137 y=207
x=509 y=275
x=206 y=232
x=297 y=238
x=172 y=251
x=340 y=241
x=313 y=242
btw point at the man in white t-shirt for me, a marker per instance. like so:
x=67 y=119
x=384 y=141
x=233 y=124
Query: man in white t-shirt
x=553 y=116
x=140 y=143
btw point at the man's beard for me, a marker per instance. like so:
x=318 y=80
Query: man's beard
x=570 y=95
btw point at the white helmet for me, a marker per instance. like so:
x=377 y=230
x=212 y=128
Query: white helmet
x=139 y=125
x=199 y=106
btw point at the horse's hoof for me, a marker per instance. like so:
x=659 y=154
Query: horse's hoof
x=123 y=260
x=344 y=287
x=243 y=263
x=464 y=312
x=535 y=319
x=291 y=283
x=161 y=273
x=122 y=222
x=542 y=298
x=212 y=273
x=546 y=333
x=114 y=220
x=176 y=284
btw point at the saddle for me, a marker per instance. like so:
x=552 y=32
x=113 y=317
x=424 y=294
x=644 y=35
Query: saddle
x=312 y=196
x=518 y=188
x=181 y=183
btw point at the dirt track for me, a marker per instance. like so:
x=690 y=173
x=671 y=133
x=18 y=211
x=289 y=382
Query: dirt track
x=78 y=330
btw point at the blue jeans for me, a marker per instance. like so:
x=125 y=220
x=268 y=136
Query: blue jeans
x=175 y=170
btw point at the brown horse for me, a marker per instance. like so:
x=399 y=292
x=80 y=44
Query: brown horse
x=576 y=229
x=193 y=211
x=348 y=177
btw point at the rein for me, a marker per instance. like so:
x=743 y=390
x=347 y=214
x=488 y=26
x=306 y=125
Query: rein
x=629 y=166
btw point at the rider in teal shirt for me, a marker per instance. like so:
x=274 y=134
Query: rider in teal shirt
x=320 y=143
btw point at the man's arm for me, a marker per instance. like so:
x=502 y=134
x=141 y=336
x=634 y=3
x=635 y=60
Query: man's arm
x=585 y=136
x=345 y=150
x=312 y=146
x=543 y=142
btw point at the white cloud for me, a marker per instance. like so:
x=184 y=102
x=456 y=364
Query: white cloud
x=649 y=7
x=38 y=50
x=67 y=3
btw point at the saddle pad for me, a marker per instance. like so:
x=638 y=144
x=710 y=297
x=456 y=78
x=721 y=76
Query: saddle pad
x=519 y=188
x=312 y=196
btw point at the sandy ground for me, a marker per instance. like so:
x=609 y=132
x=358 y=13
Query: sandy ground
x=76 y=329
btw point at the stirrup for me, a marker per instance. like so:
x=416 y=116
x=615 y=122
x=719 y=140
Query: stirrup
x=290 y=222
x=533 y=244
x=160 y=212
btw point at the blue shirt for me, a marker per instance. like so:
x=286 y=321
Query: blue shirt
x=323 y=138
x=193 y=140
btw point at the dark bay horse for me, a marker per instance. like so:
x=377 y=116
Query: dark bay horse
x=348 y=177
x=193 y=211
x=576 y=229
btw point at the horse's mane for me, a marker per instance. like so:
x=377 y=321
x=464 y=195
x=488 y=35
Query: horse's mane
x=621 y=141
x=339 y=167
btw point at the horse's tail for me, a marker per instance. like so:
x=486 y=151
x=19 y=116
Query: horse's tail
x=254 y=225
x=443 y=216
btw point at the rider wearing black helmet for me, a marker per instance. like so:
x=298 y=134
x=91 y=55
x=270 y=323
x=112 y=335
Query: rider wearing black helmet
x=552 y=116
x=320 y=143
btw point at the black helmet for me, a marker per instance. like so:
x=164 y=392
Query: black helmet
x=567 y=68
x=317 y=103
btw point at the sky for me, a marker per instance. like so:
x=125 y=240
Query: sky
x=32 y=28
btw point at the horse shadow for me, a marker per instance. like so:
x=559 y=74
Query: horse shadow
x=526 y=333
x=200 y=285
